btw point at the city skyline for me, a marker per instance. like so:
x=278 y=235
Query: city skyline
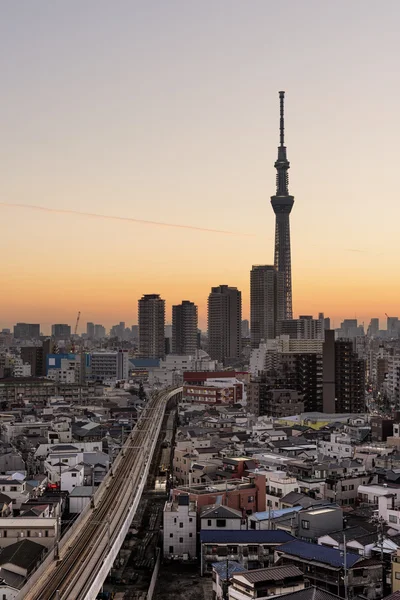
x=178 y=126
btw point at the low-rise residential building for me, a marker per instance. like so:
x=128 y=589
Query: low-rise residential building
x=222 y=517
x=252 y=549
x=43 y=530
x=370 y=494
x=343 y=489
x=246 y=494
x=221 y=576
x=278 y=486
x=325 y=568
x=17 y=563
x=261 y=584
x=179 y=525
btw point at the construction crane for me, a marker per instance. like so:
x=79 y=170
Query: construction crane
x=75 y=332
x=77 y=323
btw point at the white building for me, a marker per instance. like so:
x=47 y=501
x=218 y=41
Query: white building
x=69 y=372
x=370 y=494
x=15 y=489
x=278 y=484
x=337 y=447
x=21 y=369
x=180 y=528
x=170 y=370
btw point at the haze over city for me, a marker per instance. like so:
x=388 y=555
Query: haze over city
x=167 y=112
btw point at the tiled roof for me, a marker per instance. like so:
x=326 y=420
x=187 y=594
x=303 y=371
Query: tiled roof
x=321 y=554
x=233 y=567
x=249 y=536
x=24 y=554
x=221 y=512
x=272 y=574
x=311 y=593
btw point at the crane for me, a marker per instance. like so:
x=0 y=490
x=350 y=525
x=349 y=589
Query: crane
x=77 y=323
x=75 y=332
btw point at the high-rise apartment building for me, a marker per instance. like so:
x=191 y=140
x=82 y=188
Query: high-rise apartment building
x=245 y=328
x=303 y=328
x=184 y=328
x=61 y=331
x=282 y=204
x=26 y=331
x=151 y=326
x=90 y=330
x=224 y=323
x=266 y=302
x=343 y=376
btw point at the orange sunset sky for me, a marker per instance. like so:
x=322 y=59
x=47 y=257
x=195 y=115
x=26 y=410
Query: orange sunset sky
x=168 y=111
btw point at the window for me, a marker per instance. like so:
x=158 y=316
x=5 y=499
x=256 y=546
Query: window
x=5 y=533
x=221 y=522
x=209 y=522
x=392 y=519
x=344 y=488
x=305 y=524
x=190 y=519
x=351 y=487
x=175 y=520
x=73 y=474
x=253 y=549
x=28 y=534
x=181 y=540
x=232 y=550
x=397 y=575
x=190 y=534
x=171 y=549
x=46 y=533
x=171 y=535
x=250 y=499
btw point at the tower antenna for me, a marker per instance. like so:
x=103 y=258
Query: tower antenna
x=282 y=119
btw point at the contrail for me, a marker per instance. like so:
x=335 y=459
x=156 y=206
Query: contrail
x=63 y=211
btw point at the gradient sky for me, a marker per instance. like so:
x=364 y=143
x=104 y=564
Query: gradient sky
x=168 y=111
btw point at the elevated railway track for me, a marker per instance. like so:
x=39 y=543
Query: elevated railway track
x=80 y=563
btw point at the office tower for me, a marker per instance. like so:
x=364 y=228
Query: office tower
x=99 y=332
x=61 y=331
x=151 y=326
x=266 y=302
x=327 y=323
x=184 y=328
x=393 y=328
x=282 y=204
x=303 y=328
x=245 y=328
x=343 y=376
x=90 y=330
x=373 y=327
x=224 y=323
x=26 y=331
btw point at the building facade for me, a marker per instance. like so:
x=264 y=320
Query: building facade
x=266 y=302
x=151 y=326
x=224 y=323
x=184 y=328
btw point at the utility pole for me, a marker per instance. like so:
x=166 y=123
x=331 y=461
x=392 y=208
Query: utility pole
x=346 y=591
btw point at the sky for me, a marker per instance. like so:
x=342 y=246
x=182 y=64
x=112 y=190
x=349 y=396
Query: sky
x=167 y=111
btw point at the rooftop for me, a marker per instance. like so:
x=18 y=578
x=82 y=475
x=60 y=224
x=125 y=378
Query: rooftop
x=321 y=554
x=271 y=574
x=249 y=536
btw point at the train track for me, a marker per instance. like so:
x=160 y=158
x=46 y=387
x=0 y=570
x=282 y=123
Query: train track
x=72 y=573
